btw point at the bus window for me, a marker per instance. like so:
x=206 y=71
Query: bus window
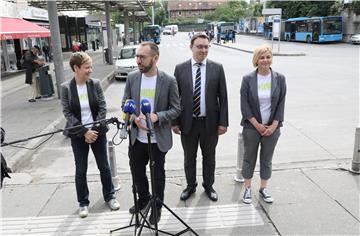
x=332 y=27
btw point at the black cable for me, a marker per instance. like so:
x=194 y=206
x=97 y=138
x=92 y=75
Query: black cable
x=33 y=148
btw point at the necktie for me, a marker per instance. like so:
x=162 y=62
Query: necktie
x=197 y=91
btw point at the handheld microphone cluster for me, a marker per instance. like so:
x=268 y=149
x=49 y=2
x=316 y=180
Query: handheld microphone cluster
x=128 y=110
x=146 y=110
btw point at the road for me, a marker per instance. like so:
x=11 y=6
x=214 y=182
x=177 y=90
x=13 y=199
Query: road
x=317 y=141
x=320 y=115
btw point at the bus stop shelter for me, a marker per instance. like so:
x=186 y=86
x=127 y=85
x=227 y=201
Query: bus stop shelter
x=130 y=8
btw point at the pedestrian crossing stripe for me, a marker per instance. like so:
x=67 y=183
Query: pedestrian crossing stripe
x=207 y=217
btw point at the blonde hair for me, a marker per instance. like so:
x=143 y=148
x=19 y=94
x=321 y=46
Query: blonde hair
x=78 y=59
x=260 y=51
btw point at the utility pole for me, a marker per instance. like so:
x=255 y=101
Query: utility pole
x=56 y=44
x=152 y=14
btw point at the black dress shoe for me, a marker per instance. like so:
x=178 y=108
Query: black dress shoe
x=152 y=216
x=211 y=193
x=38 y=97
x=141 y=205
x=186 y=193
x=32 y=100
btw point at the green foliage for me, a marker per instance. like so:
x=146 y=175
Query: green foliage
x=233 y=11
x=291 y=9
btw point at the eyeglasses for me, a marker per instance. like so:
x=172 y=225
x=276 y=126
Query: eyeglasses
x=206 y=47
x=142 y=57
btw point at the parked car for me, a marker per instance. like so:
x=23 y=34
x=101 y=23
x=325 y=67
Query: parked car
x=355 y=39
x=125 y=62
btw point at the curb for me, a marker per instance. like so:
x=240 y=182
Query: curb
x=250 y=51
x=22 y=157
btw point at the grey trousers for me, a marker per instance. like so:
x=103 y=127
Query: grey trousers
x=190 y=143
x=252 y=140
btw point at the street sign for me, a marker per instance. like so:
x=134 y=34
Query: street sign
x=276 y=28
x=271 y=11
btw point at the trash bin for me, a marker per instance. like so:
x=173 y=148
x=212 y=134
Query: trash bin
x=106 y=52
x=45 y=81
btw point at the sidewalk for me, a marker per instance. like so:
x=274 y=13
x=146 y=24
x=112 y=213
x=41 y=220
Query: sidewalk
x=286 y=49
x=308 y=201
x=311 y=198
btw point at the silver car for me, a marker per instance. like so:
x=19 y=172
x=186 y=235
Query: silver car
x=355 y=39
x=126 y=62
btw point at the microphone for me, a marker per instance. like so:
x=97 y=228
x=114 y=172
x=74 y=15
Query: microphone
x=128 y=110
x=146 y=110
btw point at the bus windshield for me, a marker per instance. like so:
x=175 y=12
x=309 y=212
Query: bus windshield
x=152 y=33
x=332 y=26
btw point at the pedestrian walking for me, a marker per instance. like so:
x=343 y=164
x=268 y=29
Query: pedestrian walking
x=204 y=113
x=160 y=89
x=83 y=102
x=262 y=107
x=46 y=51
x=31 y=63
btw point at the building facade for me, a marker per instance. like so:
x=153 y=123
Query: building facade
x=194 y=10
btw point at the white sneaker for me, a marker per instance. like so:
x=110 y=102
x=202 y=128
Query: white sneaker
x=83 y=211
x=264 y=193
x=114 y=204
x=247 y=198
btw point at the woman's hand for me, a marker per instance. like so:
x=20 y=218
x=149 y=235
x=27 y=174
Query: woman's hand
x=91 y=136
x=270 y=129
x=261 y=129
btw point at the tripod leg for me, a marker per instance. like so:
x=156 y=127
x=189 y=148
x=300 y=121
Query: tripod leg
x=188 y=228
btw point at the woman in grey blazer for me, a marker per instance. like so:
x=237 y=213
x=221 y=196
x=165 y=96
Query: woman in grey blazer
x=83 y=102
x=262 y=106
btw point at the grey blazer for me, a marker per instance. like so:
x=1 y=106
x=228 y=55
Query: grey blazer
x=216 y=101
x=166 y=105
x=71 y=106
x=250 y=106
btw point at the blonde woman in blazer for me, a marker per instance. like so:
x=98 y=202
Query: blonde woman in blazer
x=262 y=106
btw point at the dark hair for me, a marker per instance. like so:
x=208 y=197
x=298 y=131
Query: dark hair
x=198 y=35
x=153 y=47
x=37 y=47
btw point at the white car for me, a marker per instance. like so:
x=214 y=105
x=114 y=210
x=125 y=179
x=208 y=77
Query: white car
x=355 y=39
x=126 y=62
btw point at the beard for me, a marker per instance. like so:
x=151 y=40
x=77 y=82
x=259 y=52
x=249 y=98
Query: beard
x=146 y=69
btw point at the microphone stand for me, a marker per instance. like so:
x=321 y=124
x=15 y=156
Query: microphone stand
x=112 y=120
x=154 y=198
x=135 y=215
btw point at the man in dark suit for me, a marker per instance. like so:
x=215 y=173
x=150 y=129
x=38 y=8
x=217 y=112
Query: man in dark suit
x=204 y=113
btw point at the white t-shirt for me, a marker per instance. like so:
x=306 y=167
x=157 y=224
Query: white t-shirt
x=147 y=90
x=264 y=93
x=86 y=116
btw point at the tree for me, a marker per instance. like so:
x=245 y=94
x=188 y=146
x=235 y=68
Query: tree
x=232 y=12
x=160 y=12
x=291 y=9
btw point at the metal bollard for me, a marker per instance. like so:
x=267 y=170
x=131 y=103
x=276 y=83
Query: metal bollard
x=113 y=166
x=355 y=165
x=240 y=158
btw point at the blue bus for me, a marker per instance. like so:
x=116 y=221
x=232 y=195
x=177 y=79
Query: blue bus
x=152 y=33
x=314 y=29
x=223 y=28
